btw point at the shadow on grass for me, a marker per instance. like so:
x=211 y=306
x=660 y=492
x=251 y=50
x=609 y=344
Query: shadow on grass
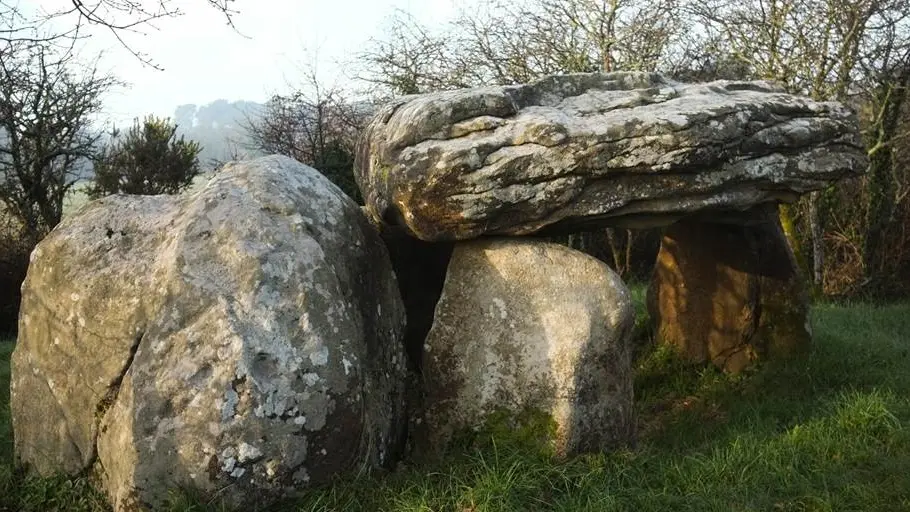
x=856 y=349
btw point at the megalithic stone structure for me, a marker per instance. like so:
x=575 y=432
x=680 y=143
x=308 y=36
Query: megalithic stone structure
x=710 y=162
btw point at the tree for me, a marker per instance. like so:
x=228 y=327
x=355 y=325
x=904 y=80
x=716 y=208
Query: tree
x=46 y=104
x=485 y=46
x=848 y=51
x=149 y=160
x=411 y=59
x=47 y=100
x=317 y=126
x=887 y=183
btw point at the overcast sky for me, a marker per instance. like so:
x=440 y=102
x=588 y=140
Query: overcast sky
x=204 y=59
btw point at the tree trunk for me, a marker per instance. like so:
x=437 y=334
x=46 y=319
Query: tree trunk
x=816 y=225
x=880 y=192
x=789 y=227
x=629 y=239
x=879 y=200
x=615 y=251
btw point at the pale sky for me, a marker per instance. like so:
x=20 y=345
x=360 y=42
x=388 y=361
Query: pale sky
x=204 y=59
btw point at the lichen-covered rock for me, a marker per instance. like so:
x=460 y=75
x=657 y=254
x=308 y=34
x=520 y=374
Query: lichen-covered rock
x=243 y=341
x=729 y=294
x=633 y=149
x=527 y=329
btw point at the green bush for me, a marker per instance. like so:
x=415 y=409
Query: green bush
x=149 y=160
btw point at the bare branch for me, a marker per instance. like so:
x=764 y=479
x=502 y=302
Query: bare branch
x=118 y=17
x=45 y=134
x=315 y=125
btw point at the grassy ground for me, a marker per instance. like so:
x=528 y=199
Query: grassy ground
x=827 y=432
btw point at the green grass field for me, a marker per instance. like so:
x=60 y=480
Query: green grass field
x=826 y=432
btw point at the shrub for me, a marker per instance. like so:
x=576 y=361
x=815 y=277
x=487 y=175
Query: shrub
x=150 y=159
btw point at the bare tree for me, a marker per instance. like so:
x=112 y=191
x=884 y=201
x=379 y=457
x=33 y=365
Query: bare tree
x=46 y=104
x=498 y=42
x=234 y=152
x=613 y=35
x=316 y=125
x=411 y=59
x=47 y=99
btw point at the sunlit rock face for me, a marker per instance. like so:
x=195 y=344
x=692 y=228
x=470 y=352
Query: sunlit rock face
x=587 y=150
x=529 y=332
x=244 y=341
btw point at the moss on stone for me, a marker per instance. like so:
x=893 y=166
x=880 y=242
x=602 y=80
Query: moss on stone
x=530 y=430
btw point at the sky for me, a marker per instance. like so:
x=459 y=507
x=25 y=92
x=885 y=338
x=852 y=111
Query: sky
x=203 y=59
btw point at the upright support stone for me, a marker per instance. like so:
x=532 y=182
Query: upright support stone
x=243 y=342
x=730 y=294
x=528 y=331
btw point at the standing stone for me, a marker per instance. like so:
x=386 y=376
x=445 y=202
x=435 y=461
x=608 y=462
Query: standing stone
x=244 y=341
x=730 y=294
x=527 y=329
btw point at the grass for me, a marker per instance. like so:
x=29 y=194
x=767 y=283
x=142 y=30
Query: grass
x=826 y=432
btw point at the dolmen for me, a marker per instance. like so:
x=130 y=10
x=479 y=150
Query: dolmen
x=521 y=324
x=265 y=334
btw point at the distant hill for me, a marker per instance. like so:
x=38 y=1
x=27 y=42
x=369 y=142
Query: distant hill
x=218 y=127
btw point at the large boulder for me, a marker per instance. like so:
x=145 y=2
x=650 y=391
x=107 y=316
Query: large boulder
x=583 y=150
x=244 y=341
x=729 y=294
x=529 y=334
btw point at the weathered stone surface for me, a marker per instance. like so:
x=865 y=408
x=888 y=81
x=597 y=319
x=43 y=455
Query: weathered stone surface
x=729 y=294
x=244 y=341
x=570 y=151
x=529 y=329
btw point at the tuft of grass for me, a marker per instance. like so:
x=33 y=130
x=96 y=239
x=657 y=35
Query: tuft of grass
x=6 y=429
x=828 y=431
